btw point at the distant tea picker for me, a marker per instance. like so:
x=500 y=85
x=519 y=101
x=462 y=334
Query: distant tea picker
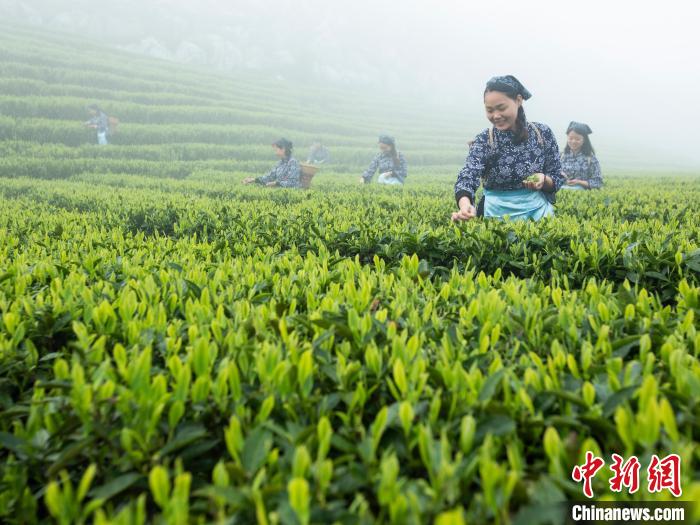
x=518 y=161
x=101 y=123
x=390 y=163
x=318 y=153
x=288 y=173
x=578 y=162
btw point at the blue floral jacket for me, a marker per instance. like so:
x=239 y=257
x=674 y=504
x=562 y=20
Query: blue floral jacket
x=584 y=167
x=384 y=162
x=287 y=174
x=503 y=164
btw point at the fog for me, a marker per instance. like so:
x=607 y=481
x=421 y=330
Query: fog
x=628 y=69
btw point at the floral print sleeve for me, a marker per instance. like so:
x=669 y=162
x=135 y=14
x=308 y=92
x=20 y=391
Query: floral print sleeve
x=470 y=175
x=287 y=174
x=290 y=177
x=371 y=170
x=552 y=161
x=595 y=180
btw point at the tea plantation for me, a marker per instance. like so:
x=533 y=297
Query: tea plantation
x=176 y=347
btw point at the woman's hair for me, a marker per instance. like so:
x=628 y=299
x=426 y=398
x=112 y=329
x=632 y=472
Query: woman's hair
x=95 y=107
x=586 y=149
x=286 y=145
x=394 y=155
x=520 y=131
x=391 y=142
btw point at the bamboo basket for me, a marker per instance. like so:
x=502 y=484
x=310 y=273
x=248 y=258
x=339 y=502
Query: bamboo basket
x=307 y=173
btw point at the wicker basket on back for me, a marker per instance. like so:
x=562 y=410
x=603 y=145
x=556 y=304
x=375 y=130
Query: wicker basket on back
x=307 y=173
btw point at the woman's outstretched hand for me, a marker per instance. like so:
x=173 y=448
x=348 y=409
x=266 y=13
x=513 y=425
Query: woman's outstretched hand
x=466 y=211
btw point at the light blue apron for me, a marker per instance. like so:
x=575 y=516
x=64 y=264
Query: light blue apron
x=388 y=179
x=518 y=204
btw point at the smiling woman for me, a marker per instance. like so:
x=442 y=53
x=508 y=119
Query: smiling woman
x=517 y=160
x=578 y=162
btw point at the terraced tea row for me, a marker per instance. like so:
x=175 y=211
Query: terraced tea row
x=655 y=249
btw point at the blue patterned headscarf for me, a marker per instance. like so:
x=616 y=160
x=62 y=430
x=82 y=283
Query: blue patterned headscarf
x=579 y=127
x=387 y=139
x=508 y=84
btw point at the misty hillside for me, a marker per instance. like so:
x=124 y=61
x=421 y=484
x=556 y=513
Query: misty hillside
x=245 y=36
x=439 y=53
x=179 y=113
